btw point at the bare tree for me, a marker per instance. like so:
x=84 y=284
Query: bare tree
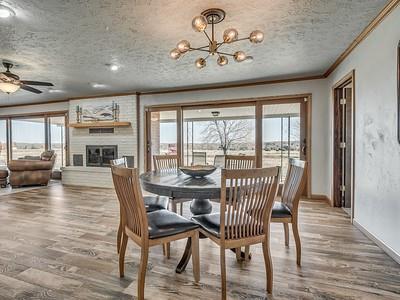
x=227 y=132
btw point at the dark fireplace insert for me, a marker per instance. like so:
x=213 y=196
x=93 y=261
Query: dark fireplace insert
x=100 y=156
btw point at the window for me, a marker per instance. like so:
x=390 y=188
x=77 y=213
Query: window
x=28 y=137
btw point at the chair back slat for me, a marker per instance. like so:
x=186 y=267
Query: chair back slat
x=240 y=162
x=294 y=183
x=165 y=162
x=133 y=211
x=247 y=197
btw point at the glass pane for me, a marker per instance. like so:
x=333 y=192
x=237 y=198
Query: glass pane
x=163 y=133
x=281 y=135
x=208 y=134
x=28 y=137
x=3 y=142
x=58 y=140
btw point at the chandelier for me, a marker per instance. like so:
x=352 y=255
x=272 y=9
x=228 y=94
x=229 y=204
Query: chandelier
x=211 y=17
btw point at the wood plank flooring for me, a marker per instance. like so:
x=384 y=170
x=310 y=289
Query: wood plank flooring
x=59 y=243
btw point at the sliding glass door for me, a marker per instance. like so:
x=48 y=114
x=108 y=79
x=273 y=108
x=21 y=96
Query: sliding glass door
x=211 y=133
x=274 y=130
x=28 y=137
x=282 y=135
x=57 y=140
x=162 y=133
x=3 y=143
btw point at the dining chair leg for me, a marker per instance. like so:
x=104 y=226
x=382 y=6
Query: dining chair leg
x=238 y=252
x=167 y=250
x=296 y=235
x=268 y=265
x=119 y=236
x=286 y=230
x=144 y=256
x=122 y=250
x=223 y=273
x=196 y=256
x=247 y=253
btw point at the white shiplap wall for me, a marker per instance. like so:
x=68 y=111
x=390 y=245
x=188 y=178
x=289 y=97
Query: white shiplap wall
x=124 y=137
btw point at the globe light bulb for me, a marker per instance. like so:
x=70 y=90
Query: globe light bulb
x=239 y=56
x=199 y=23
x=183 y=46
x=256 y=37
x=200 y=63
x=230 y=35
x=222 y=60
x=8 y=87
x=175 y=54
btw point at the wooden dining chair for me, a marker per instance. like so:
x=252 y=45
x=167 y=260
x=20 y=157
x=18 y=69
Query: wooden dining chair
x=165 y=163
x=247 y=197
x=241 y=162
x=151 y=203
x=287 y=210
x=149 y=229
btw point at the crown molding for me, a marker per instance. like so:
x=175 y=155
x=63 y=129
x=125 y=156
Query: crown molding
x=362 y=36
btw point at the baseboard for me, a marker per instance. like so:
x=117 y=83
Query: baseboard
x=321 y=197
x=388 y=250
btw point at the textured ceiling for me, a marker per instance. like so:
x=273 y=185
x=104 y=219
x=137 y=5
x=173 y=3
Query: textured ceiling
x=68 y=42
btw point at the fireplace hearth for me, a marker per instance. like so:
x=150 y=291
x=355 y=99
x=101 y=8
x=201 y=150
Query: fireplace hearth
x=100 y=155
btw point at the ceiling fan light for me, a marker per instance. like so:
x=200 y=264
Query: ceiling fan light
x=200 y=63
x=183 y=46
x=256 y=37
x=8 y=88
x=6 y=12
x=199 y=23
x=239 y=56
x=222 y=60
x=175 y=54
x=230 y=35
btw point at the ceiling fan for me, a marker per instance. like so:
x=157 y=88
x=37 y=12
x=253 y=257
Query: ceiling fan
x=10 y=83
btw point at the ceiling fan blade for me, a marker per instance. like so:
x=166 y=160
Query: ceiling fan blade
x=30 y=89
x=29 y=82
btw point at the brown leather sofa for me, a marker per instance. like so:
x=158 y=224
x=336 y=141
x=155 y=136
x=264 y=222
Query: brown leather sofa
x=32 y=170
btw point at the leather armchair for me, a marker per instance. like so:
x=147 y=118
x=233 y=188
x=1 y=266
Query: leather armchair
x=32 y=170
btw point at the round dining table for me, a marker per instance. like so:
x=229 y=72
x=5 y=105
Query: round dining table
x=176 y=184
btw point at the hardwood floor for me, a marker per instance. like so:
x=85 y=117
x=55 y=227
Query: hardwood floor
x=59 y=243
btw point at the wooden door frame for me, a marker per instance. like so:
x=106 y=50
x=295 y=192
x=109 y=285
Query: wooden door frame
x=258 y=102
x=349 y=78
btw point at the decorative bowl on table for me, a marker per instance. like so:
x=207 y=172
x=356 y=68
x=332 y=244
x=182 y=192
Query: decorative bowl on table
x=198 y=170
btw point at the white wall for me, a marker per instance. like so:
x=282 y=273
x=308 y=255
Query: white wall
x=17 y=110
x=377 y=151
x=320 y=115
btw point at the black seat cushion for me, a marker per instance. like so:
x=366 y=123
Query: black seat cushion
x=280 y=210
x=211 y=222
x=164 y=223
x=153 y=203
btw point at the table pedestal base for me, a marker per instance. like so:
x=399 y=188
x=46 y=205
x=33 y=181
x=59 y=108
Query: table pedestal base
x=200 y=207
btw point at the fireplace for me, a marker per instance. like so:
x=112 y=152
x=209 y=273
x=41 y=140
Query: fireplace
x=100 y=156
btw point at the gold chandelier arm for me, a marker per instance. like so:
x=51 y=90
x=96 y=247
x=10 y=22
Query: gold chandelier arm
x=224 y=53
x=242 y=39
x=198 y=49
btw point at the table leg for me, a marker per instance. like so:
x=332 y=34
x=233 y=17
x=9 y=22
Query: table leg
x=200 y=206
x=185 y=257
